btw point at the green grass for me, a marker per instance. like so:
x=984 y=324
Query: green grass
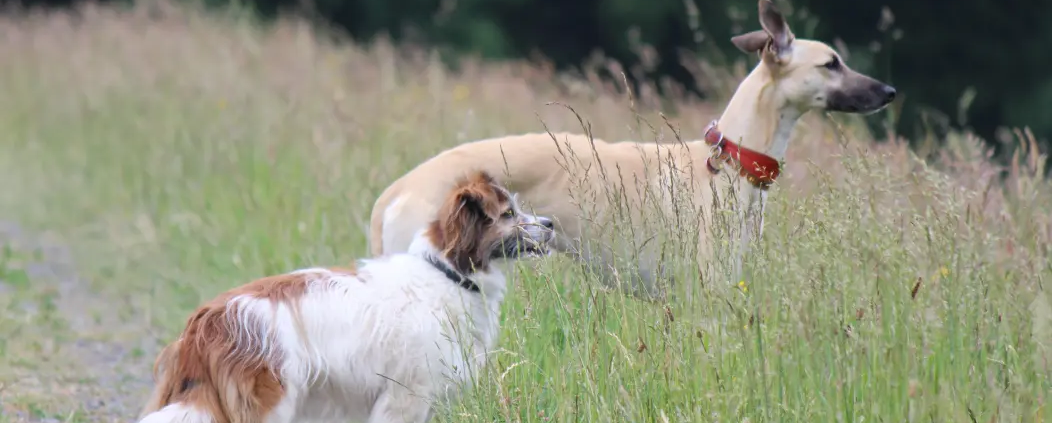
x=178 y=156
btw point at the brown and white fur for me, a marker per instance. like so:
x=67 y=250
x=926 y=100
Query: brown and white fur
x=793 y=77
x=374 y=344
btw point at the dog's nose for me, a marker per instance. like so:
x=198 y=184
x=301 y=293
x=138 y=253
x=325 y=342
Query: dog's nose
x=546 y=222
x=889 y=92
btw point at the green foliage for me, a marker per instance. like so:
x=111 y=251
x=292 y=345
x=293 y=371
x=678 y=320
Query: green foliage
x=933 y=52
x=180 y=155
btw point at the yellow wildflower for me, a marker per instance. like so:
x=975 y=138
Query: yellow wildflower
x=742 y=286
x=944 y=271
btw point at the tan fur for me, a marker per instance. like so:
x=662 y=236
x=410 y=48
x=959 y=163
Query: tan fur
x=790 y=80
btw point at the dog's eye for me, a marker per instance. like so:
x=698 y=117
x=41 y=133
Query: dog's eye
x=832 y=64
x=508 y=213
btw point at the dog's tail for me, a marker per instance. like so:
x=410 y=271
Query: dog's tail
x=172 y=400
x=212 y=375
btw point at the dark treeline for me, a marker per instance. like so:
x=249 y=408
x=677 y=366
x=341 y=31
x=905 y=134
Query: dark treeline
x=981 y=64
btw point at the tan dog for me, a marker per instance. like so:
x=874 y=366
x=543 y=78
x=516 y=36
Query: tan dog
x=793 y=77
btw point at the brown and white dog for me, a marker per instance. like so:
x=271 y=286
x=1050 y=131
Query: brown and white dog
x=793 y=77
x=374 y=344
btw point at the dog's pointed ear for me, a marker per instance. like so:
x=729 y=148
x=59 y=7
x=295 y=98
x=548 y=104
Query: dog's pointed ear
x=776 y=27
x=751 y=42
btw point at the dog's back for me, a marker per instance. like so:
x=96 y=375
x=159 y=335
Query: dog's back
x=530 y=164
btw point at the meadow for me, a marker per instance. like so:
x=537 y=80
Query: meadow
x=151 y=158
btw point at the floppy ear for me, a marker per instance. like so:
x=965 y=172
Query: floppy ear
x=464 y=222
x=774 y=24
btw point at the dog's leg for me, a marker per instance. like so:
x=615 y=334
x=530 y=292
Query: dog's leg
x=743 y=242
x=400 y=405
x=703 y=258
x=642 y=281
x=592 y=258
x=751 y=214
x=762 y=211
x=653 y=278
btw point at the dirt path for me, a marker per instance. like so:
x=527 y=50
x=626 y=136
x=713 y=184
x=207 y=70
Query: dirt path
x=77 y=355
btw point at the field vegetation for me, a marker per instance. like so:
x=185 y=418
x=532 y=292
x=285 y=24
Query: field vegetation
x=153 y=157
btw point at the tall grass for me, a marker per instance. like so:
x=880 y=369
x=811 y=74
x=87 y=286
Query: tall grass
x=180 y=154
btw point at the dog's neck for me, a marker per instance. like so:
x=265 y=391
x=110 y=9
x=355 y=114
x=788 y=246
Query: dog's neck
x=490 y=282
x=454 y=276
x=758 y=116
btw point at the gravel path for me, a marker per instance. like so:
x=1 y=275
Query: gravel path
x=98 y=369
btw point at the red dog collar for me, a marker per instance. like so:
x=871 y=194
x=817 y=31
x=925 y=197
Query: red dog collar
x=759 y=169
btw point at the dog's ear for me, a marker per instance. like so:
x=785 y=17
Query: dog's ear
x=465 y=219
x=751 y=42
x=478 y=191
x=777 y=28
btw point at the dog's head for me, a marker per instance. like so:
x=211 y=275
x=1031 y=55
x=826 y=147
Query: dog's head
x=809 y=73
x=480 y=221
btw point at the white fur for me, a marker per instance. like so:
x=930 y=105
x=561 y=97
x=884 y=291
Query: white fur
x=378 y=346
x=178 y=413
x=410 y=317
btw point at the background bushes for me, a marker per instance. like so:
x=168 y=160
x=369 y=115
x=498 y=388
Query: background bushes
x=975 y=64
